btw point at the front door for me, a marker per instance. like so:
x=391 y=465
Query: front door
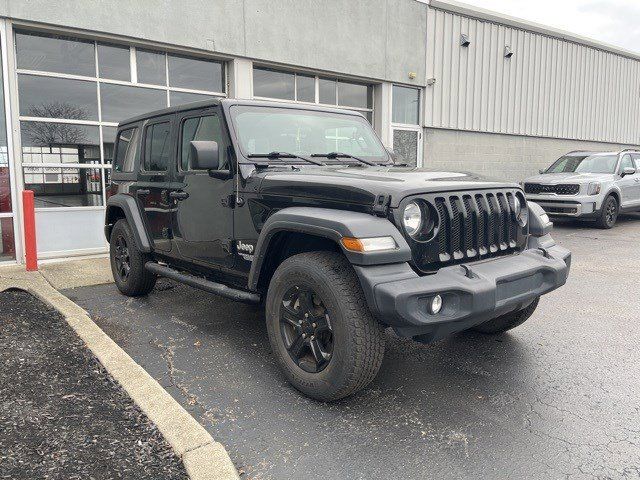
x=154 y=183
x=203 y=216
x=628 y=184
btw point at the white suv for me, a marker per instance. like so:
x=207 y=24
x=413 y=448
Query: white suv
x=590 y=185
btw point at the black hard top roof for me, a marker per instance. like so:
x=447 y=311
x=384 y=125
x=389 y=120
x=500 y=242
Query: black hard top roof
x=229 y=101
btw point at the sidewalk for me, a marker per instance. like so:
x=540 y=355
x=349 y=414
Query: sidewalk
x=77 y=405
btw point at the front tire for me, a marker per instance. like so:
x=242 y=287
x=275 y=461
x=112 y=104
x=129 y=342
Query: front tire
x=322 y=333
x=608 y=213
x=127 y=262
x=507 y=321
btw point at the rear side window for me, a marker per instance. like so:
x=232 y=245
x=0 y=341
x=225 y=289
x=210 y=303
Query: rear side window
x=157 y=147
x=127 y=150
x=206 y=127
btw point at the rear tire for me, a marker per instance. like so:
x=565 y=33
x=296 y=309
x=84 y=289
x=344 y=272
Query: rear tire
x=335 y=349
x=127 y=262
x=507 y=321
x=608 y=213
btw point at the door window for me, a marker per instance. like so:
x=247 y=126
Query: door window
x=626 y=162
x=157 y=147
x=636 y=159
x=127 y=150
x=205 y=128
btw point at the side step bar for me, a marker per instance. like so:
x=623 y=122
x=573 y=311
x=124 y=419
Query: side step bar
x=202 y=284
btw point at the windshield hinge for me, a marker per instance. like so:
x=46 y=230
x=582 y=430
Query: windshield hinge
x=381 y=206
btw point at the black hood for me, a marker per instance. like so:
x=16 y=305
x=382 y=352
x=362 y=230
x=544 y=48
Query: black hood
x=363 y=184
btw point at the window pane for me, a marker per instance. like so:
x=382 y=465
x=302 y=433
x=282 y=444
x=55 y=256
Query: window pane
x=201 y=128
x=51 y=53
x=405 y=146
x=120 y=102
x=128 y=150
x=151 y=67
x=327 y=91
x=64 y=187
x=114 y=62
x=57 y=98
x=180 y=98
x=45 y=142
x=108 y=140
x=185 y=72
x=273 y=84
x=306 y=88
x=7 y=247
x=406 y=105
x=157 y=146
x=354 y=95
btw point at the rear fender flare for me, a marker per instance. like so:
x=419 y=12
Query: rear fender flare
x=129 y=206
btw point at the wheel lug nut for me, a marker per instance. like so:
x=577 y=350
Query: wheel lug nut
x=313 y=325
x=304 y=335
x=306 y=315
x=312 y=337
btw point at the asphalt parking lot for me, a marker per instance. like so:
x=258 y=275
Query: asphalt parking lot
x=556 y=397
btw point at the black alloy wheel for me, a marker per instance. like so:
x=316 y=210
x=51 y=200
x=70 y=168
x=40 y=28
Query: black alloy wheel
x=611 y=211
x=122 y=258
x=305 y=327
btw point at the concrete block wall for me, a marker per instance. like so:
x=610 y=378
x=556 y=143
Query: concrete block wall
x=503 y=157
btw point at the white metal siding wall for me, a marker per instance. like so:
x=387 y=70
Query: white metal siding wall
x=549 y=87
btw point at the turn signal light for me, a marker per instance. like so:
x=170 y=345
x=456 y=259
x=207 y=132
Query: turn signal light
x=374 y=244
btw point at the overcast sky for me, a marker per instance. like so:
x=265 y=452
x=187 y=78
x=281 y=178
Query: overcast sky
x=612 y=21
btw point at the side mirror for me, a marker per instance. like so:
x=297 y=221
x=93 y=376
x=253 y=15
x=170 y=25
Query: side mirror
x=204 y=155
x=627 y=171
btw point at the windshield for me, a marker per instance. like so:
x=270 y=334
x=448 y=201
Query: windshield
x=261 y=130
x=584 y=164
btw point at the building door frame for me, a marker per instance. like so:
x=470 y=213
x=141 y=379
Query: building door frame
x=16 y=204
x=418 y=128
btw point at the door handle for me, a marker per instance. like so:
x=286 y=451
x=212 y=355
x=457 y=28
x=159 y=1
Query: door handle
x=178 y=195
x=143 y=191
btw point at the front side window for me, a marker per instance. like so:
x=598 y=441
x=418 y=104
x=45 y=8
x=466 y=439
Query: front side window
x=157 y=147
x=262 y=130
x=126 y=150
x=205 y=128
x=584 y=164
x=626 y=163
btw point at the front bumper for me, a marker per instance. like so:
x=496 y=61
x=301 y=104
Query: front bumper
x=483 y=290
x=568 y=205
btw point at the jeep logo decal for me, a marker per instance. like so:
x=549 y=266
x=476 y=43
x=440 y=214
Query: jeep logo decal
x=244 y=247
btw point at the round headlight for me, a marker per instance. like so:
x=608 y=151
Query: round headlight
x=412 y=218
x=521 y=211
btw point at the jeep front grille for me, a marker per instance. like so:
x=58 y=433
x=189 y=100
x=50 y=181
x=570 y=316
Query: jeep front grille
x=472 y=225
x=560 y=189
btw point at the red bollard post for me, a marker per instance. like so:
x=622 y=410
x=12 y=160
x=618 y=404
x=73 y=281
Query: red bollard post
x=29 y=216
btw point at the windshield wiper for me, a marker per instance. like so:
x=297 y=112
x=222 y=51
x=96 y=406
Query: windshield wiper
x=334 y=155
x=275 y=155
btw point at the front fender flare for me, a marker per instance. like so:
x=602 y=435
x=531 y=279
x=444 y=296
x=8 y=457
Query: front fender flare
x=333 y=225
x=131 y=211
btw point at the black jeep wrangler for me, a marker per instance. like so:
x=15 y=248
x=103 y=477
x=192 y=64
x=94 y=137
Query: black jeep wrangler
x=302 y=208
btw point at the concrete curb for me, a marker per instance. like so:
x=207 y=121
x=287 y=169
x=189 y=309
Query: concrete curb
x=203 y=458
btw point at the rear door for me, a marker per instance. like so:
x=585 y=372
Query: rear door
x=154 y=180
x=203 y=216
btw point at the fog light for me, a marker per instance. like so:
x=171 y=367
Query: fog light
x=436 y=305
